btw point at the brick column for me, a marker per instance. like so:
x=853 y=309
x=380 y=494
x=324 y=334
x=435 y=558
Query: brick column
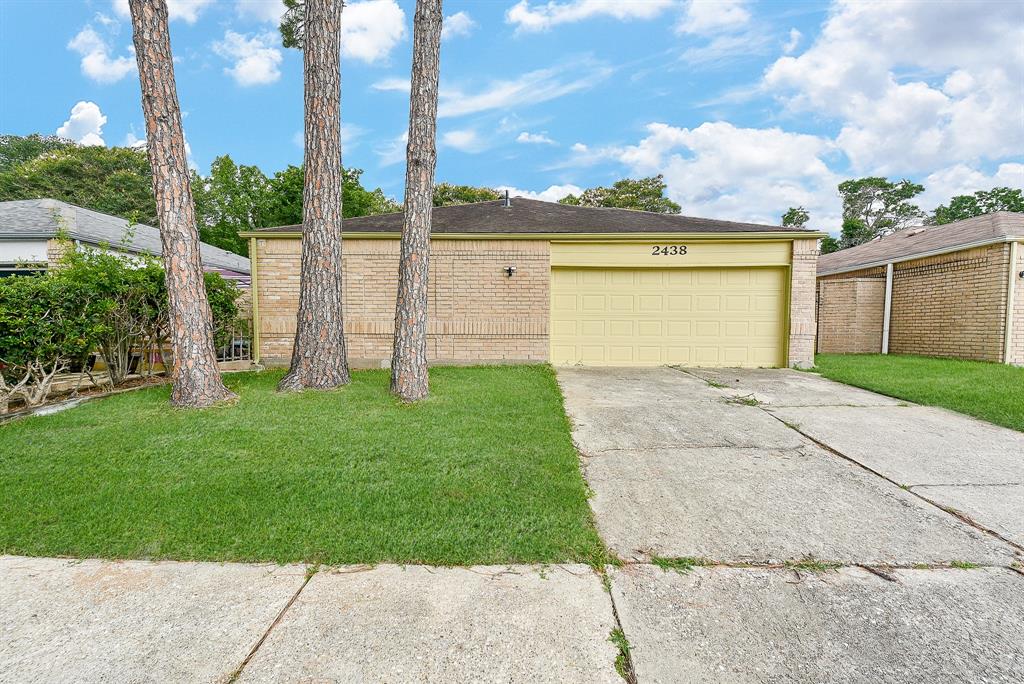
x=802 y=324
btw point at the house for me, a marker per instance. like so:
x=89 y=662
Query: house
x=951 y=290
x=28 y=231
x=519 y=280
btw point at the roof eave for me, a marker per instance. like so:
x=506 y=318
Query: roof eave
x=921 y=255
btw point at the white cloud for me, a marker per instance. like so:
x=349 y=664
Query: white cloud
x=394 y=84
x=527 y=17
x=392 y=151
x=552 y=194
x=464 y=140
x=458 y=24
x=186 y=10
x=256 y=58
x=85 y=125
x=794 y=41
x=370 y=29
x=891 y=123
x=529 y=89
x=97 y=62
x=269 y=11
x=959 y=179
x=710 y=16
x=534 y=138
x=722 y=171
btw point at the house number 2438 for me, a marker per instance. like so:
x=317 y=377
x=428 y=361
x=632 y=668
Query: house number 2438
x=668 y=250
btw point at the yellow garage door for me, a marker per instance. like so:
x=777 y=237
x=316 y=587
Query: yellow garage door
x=648 y=317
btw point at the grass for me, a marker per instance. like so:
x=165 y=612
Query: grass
x=483 y=471
x=810 y=564
x=989 y=391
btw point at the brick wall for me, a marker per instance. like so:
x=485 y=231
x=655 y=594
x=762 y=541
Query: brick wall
x=1017 y=345
x=850 y=314
x=802 y=309
x=951 y=305
x=477 y=313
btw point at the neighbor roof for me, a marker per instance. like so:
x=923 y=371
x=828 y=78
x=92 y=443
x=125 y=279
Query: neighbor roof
x=38 y=218
x=533 y=216
x=919 y=241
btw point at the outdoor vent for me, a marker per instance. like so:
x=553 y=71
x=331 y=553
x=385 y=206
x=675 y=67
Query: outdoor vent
x=507 y=201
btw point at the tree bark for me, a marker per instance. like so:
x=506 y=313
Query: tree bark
x=196 y=378
x=319 y=359
x=409 y=380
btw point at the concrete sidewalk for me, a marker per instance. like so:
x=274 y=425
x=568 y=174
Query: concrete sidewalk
x=137 y=621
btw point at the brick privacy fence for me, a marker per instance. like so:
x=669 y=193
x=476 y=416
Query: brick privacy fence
x=477 y=312
x=950 y=305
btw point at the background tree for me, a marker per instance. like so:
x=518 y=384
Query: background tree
x=981 y=202
x=644 y=194
x=112 y=180
x=446 y=194
x=231 y=199
x=829 y=244
x=15 y=149
x=409 y=379
x=876 y=206
x=194 y=373
x=796 y=217
x=319 y=358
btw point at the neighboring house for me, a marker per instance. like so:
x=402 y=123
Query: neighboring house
x=951 y=290
x=527 y=281
x=28 y=229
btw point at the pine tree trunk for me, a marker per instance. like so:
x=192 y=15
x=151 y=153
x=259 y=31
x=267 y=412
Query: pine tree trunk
x=194 y=373
x=319 y=359
x=409 y=379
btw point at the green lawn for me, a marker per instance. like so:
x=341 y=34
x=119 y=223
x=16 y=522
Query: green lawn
x=483 y=471
x=990 y=391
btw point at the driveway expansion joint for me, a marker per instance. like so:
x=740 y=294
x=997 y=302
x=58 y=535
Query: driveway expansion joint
x=951 y=511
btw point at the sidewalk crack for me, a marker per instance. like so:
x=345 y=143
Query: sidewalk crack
x=310 y=572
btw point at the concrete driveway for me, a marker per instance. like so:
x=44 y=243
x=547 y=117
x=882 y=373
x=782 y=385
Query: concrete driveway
x=847 y=536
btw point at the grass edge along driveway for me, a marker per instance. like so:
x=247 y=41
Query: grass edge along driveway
x=990 y=391
x=482 y=472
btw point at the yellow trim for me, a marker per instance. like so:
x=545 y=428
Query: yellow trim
x=559 y=237
x=698 y=253
x=253 y=260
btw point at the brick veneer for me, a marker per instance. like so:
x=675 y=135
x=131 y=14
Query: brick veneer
x=802 y=308
x=477 y=312
x=850 y=315
x=948 y=305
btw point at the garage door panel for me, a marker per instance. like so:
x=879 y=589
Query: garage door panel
x=700 y=317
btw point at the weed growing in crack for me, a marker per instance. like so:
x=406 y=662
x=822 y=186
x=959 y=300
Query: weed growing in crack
x=964 y=565
x=747 y=400
x=811 y=565
x=623 y=664
x=679 y=564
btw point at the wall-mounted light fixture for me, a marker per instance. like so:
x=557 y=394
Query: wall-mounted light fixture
x=509 y=270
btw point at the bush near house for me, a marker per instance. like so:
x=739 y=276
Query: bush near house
x=96 y=301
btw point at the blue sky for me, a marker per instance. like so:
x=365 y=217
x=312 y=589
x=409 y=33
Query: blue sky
x=746 y=107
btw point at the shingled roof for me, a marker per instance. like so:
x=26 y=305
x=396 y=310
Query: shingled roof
x=920 y=241
x=42 y=218
x=533 y=216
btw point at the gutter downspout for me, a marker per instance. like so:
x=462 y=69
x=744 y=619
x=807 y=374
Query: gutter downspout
x=1010 y=287
x=887 y=316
